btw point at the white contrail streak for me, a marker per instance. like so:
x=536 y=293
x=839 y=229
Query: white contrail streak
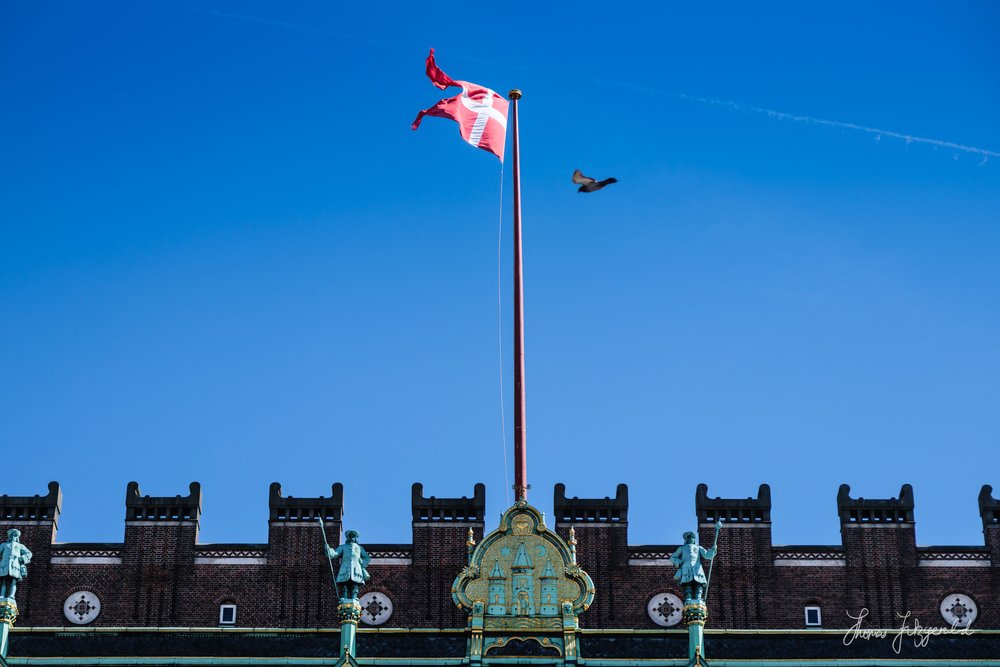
x=908 y=138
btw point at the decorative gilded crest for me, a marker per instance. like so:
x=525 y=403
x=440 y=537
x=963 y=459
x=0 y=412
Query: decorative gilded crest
x=522 y=582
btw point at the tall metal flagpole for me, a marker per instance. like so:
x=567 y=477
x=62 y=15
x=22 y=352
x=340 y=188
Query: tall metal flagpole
x=520 y=449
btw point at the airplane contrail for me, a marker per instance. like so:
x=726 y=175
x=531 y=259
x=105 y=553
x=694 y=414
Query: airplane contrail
x=908 y=138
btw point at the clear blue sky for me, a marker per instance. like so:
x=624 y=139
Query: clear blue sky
x=225 y=257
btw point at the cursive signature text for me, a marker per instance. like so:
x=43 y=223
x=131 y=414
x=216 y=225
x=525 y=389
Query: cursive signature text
x=910 y=627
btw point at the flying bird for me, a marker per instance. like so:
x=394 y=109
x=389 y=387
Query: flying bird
x=588 y=184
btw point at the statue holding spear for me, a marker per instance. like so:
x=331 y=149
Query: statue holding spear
x=691 y=576
x=688 y=559
x=354 y=561
x=353 y=564
x=353 y=574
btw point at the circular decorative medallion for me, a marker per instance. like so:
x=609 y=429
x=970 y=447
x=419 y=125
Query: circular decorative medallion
x=82 y=607
x=959 y=610
x=665 y=609
x=376 y=608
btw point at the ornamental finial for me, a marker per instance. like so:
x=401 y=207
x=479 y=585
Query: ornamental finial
x=514 y=94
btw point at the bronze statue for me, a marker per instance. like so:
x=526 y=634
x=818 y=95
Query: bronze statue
x=14 y=559
x=353 y=572
x=690 y=574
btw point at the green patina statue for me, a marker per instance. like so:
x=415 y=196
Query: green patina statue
x=14 y=559
x=690 y=574
x=353 y=572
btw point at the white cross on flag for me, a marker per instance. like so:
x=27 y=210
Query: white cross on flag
x=481 y=113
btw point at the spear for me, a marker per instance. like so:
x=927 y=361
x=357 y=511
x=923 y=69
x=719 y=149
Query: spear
x=708 y=582
x=329 y=558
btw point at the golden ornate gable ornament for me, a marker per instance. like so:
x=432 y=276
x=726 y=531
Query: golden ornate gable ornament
x=523 y=590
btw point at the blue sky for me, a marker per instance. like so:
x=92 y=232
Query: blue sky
x=225 y=257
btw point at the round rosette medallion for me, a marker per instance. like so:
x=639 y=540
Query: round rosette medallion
x=376 y=608
x=959 y=610
x=81 y=607
x=665 y=609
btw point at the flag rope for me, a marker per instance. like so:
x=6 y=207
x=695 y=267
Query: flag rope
x=503 y=422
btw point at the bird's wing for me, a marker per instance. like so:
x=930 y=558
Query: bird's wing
x=580 y=179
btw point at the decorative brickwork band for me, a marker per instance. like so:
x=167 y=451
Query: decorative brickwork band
x=306 y=509
x=32 y=508
x=472 y=510
x=989 y=507
x=733 y=510
x=590 y=510
x=868 y=511
x=163 y=508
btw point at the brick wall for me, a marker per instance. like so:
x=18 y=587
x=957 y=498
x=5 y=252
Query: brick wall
x=161 y=576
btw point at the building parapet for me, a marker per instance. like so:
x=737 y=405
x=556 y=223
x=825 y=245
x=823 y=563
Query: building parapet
x=32 y=508
x=733 y=510
x=285 y=510
x=295 y=510
x=855 y=511
x=590 y=510
x=163 y=508
x=433 y=509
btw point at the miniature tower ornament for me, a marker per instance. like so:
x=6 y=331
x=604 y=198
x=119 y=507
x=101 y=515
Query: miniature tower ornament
x=691 y=576
x=14 y=559
x=352 y=574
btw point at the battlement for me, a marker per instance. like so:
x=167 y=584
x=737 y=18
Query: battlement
x=733 y=510
x=590 y=510
x=32 y=508
x=291 y=509
x=160 y=575
x=146 y=509
x=462 y=510
x=162 y=508
x=862 y=511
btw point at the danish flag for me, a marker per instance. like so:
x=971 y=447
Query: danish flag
x=481 y=113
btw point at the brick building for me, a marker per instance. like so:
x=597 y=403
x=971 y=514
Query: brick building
x=161 y=595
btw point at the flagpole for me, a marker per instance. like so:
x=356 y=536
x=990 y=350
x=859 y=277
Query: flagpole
x=520 y=449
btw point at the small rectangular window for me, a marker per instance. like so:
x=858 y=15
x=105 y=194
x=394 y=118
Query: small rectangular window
x=227 y=614
x=813 y=616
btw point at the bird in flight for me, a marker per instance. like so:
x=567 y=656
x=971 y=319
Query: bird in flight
x=588 y=184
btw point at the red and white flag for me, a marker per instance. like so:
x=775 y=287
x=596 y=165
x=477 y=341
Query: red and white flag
x=481 y=114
